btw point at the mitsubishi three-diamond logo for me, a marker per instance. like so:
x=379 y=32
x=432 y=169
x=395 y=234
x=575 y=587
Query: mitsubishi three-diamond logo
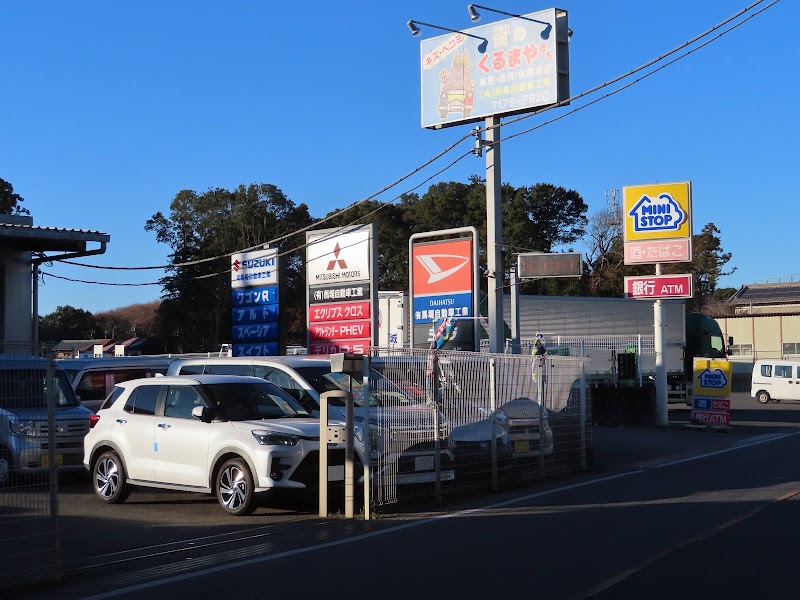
x=336 y=260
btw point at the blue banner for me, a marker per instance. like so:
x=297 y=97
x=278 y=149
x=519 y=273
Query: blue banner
x=266 y=349
x=256 y=296
x=265 y=332
x=428 y=309
x=267 y=313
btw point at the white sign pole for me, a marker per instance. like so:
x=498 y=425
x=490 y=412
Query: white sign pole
x=659 y=339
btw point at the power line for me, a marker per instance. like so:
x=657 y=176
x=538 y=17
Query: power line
x=455 y=144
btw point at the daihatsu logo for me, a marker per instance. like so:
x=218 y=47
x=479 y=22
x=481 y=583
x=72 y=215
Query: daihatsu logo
x=432 y=262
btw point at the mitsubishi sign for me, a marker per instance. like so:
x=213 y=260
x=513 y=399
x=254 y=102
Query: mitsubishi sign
x=340 y=302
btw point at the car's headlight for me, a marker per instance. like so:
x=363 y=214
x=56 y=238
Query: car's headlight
x=24 y=428
x=274 y=438
x=358 y=431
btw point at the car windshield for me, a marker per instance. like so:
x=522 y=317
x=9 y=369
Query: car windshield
x=322 y=380
x=249 y=401
x=27 y=388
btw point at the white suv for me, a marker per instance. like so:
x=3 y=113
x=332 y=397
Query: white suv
x=235 y=437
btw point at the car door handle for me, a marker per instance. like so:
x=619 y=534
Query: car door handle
x=122 y=420
x=164 y=425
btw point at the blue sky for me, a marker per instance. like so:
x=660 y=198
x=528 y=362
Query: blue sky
x=109 y=109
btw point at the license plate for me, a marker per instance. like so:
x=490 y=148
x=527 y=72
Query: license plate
x=44 y=460
x=423 y=463
x=336 y=473
x=522 y=447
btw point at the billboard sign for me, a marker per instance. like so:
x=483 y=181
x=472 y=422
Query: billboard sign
x=257 y=268
x=256 y=329
x=340 y=307
x=442 y=274
x=503 y=68
x=660 y=211
x=334 y=257
x=658 y=286
x=443 y=284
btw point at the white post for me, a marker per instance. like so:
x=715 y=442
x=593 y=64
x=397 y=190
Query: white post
x=662 y=413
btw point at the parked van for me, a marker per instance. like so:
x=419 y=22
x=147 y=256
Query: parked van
x=775 y=380
x=24 y=419
x=94 y=378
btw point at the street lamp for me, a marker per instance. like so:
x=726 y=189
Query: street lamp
x=475 y=16
x=412 y=25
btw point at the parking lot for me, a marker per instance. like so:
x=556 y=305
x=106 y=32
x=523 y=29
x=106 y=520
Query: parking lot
x=159 y=528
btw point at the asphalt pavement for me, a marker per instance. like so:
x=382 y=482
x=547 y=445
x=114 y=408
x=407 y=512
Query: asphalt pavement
x=654 y=495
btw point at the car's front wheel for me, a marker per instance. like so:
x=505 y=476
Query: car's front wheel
x=235 y=489
x=108 y=477
x=763 y=397
x=6 y=468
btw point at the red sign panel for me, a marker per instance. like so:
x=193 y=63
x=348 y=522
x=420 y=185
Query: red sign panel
x=720 y=404
x=659 y=286
x=340 y=331
x=658 y=251
x=341 y=311
x=339 y=346
x=442 y=267
x=711 y=418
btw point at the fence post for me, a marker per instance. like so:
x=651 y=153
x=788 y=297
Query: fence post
x=53 y=467
x=583 y=414
x=493 y=407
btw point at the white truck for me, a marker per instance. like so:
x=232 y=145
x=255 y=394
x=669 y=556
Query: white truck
x=606 y=328
x=393 y=319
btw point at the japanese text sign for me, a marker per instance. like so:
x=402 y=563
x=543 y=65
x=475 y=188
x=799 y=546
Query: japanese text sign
x=658 y=286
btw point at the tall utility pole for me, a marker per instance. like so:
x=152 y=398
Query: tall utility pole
x=494 y=235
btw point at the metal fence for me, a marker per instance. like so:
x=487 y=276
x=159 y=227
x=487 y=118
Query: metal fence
x=453 y=421
x=29 y=455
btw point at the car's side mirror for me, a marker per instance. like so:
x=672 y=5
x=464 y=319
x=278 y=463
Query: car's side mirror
x=203 y=413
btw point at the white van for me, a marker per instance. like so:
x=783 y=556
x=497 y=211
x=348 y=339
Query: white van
x=93 y=379
x=775 y=380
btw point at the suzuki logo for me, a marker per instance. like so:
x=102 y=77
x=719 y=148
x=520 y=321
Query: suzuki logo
x=435 y=272
x=336 y=260
x=236 y=264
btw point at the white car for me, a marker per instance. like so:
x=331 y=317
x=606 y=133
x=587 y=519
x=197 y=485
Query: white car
x=236 y=437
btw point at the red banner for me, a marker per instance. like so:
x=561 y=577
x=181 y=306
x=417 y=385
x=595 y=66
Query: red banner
x=339 y=346
x=341 y=331
x=341 y=311
x=659 y=286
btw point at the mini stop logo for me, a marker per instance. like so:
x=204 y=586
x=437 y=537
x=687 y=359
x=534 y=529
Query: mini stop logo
x=657 y=214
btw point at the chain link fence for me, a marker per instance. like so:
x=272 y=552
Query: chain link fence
x=41 y=430
x=474 y=420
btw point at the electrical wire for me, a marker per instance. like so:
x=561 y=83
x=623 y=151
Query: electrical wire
x=450 y=148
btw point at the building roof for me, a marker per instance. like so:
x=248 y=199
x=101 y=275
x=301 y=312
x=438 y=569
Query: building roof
x=767 y=294
x=85 y=345
x=20 y=234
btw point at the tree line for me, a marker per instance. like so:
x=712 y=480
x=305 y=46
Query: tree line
x=201 y=230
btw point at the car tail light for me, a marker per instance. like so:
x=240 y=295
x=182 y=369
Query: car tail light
x=93 y=420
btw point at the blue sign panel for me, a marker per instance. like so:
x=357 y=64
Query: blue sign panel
x=266 y=349
x=267 y=313
x=702 y=403
x=430 y=308
x=264 y=332
x=256 y=296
